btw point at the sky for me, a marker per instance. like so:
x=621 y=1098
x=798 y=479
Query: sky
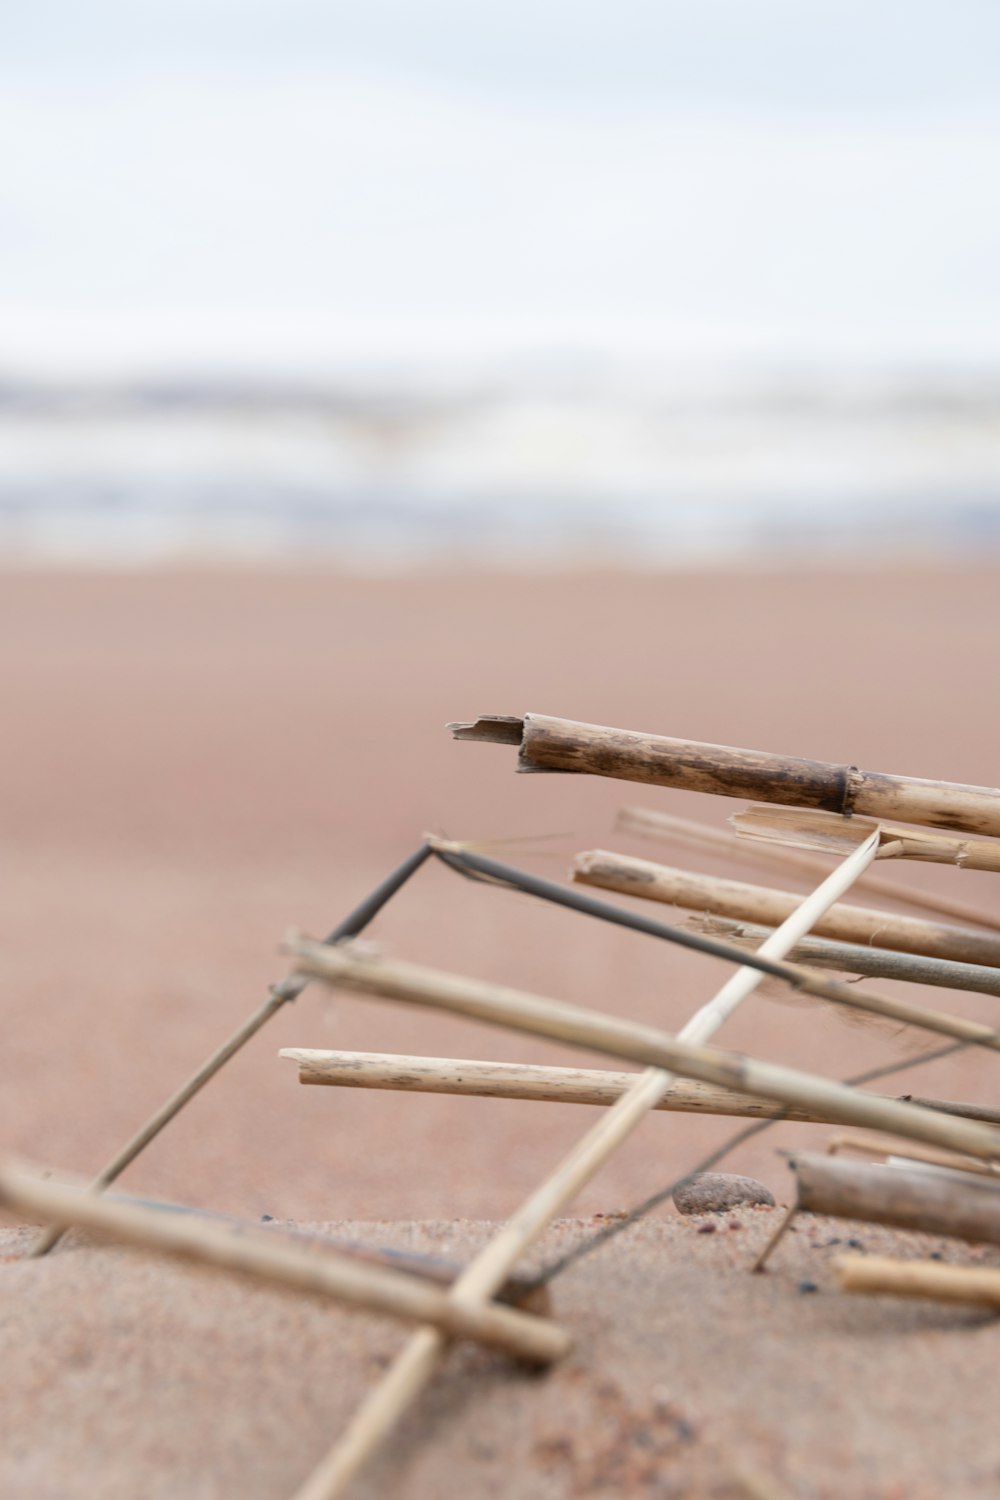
x=291 y=185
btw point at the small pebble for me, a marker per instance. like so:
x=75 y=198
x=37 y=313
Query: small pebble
x=267 y=1218
x=936 y=1255
x=718 y=1192
x=856 y=1244
x=706 y=1229
x=808 y=1286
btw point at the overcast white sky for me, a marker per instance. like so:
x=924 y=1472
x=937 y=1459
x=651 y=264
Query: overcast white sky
x=302 y=184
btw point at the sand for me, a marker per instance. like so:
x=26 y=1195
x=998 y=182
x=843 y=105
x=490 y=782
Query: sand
x=196 y=761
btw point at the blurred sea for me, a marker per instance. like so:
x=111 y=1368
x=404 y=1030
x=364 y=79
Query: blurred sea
x=514 y=470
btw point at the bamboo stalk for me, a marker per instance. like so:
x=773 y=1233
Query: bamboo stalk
x=742 y=902
x=529 y=1081
x=666 y=828
x=856 y=958
x=261 y=1254
x=548 y=744
x=635 y=1042
x=902 y=1198
x=419 y=1359
x=832 y=834
x=288 y=990
x=880 y=1275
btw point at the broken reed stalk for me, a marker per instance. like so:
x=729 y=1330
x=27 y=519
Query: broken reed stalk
x=502 y=1080
x=666 y=828
x=548 y=744
x=880 y=1275
x=753 y=903
x=419 y=1359
x=856 y=958
x=833 y=834
x=289 y=989
x=868 y=1146
x=262 y=1255
x=932 y=1202
x=558 y=1020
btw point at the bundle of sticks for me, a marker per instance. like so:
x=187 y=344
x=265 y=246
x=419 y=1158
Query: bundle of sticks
x=940 y=1180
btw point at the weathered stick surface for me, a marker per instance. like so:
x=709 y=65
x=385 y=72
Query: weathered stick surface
x=260 y=1254
x=665 y=828
x=880 y=1275
x=500 y=1080
x=548 y=744
x=753 y=903
x=833 y=834
x=903 y=1198
x=635 y=1042
x=857 y=958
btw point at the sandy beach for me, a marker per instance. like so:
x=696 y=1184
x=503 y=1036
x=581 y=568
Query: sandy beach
x=196 y=762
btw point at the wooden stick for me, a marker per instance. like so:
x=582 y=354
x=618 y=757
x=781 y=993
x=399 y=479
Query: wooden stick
x=547 y=744
x=419 y=1359
x=833 y=834
x=500 y=1080
x=856 y=958
x=867 y=1146
x=634 y=1042
x=289 y=989
x=261 y=1254
x=880 y=1275
x=753 y=903
x=666 y=828
x=903 y=1198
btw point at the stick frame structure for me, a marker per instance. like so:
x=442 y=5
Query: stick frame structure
x=420 y=1357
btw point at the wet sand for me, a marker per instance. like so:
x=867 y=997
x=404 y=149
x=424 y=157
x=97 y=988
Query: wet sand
x=195 y=762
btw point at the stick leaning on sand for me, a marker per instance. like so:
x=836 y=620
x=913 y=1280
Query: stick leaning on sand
x=265 y=1256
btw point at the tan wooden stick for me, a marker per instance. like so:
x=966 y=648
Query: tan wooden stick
x=752 y=903
x=833 y=834
x=869 y=1146
x=261 y=1254
x=547 y=744
x=501 y=1080
x=419 y=1359
x=857 y=958
x=634 y=1042
x=665 y=828
x=880 y=1275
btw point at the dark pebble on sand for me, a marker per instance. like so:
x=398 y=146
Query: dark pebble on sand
x=808 y=1286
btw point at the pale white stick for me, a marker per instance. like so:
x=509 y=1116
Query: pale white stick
x=416 y=1364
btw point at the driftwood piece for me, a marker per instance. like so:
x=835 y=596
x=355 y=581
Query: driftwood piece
x=833 y=834
x=549 y=744
x=737 y=900
x=880 y=1275
x=858 y=958
x=666 y=828
x=261 y=1254
x=634 y=1042
x=933 y=1202
x=531 y=1081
